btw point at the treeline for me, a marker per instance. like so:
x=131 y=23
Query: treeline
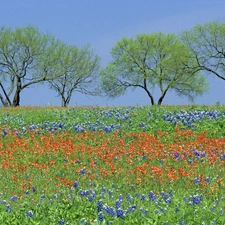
x=164 y=61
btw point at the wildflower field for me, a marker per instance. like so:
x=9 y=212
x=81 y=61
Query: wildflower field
x=112 y=165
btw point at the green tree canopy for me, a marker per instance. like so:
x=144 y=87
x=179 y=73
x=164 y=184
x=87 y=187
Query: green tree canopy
x=80 y=72
x=152 y=61
x=207 y=43
x=27 y=57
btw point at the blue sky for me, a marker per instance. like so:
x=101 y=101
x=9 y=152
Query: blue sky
x=102 y=23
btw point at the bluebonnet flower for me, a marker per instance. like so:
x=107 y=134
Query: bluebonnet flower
x=143 y=197
x=82 y=220
x=212 y=208
x=196 y=180
x=13 y=198
x=110 y=193
x=55 y=196
x=117 y=116
x=42 y=196
x=66 y=160
x=107 y=209
x=120 y=213
x=107 y=129
x=103 y=195
x=125 y=117
x=4 y=132
x=176 y=155
x=129 y=198
x=99 y=206
x=81 y=193
x=196 y=199
x=169 y=200
x=92 y=197
x=34 y=189
x=69 y=197
x=100 y=217
x=151 y=196
x=120 y=197
x=112 y=211
x=118 y=204
x=83 y=171
x=30 y=214
x=142 y=124
x=103 y=189
x=143 y=211
x=162 y=210
x=8 y=209
x=75 y=184
x=62 y=222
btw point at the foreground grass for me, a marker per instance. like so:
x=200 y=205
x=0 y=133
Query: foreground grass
x=112 y=166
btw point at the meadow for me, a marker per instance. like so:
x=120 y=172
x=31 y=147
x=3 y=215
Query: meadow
x=112 y=165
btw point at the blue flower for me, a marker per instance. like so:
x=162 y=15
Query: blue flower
x=143 y=197
x=118 y=203
x=13 y=198
x=34 y=189
x=30 y=214
x=176 y=155
x=75 y=184
x=8 y=209
x=62 y=222
x=83 y=171
x=151 y=196
x=99 y=206
x=143 y=211
x=120 y=213
x=100 y=217
x=196 y=199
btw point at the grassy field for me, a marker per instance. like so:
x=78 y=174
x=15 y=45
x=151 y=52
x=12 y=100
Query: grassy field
x=112 y=165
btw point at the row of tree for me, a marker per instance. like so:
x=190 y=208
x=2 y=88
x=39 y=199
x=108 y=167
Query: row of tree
x=163 y=61
x=28 y=57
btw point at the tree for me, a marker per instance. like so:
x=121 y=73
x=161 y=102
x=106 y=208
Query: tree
x=79 y=69
x=207 y=43
x=150 y=61
x=27 y=57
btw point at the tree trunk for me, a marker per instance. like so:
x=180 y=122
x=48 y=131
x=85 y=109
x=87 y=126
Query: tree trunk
x=6 y=102
x=162 y=96
x=160 y=100
x=150 y=96
x=16 y=99
x=63 y=104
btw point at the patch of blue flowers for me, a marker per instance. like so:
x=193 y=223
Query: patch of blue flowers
x=191 y=118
